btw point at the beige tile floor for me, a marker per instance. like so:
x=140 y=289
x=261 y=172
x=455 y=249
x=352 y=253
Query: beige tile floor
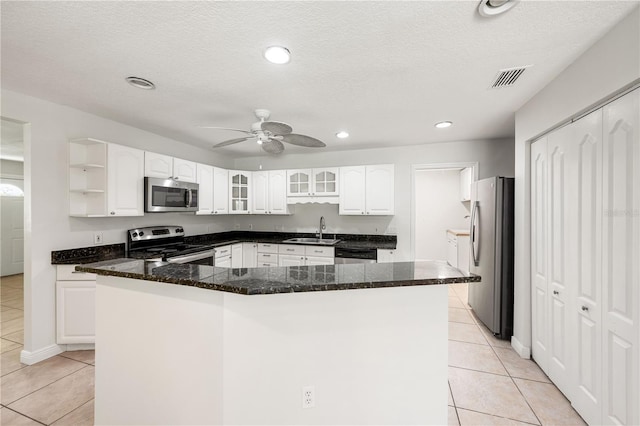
x=489 y=384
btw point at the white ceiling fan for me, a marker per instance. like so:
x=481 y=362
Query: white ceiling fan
x=270 y=135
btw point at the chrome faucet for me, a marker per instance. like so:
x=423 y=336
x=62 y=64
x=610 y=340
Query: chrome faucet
x=322 y=226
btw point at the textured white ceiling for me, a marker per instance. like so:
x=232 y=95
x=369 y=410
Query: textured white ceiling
x=384 y=71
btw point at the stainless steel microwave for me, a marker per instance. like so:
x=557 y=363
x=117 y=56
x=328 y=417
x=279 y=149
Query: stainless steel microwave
x=169 y=195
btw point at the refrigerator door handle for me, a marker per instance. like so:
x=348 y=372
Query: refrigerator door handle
x=473 y=232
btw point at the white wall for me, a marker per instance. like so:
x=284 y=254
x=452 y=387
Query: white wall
x=438 y=208
x=13 y=168
x=495 y=157
x=610 y=64
x=46 y=203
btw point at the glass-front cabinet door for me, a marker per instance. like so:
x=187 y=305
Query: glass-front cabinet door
x=312 y=182
x=325 y=181
x=239 y=192
x=299 y=183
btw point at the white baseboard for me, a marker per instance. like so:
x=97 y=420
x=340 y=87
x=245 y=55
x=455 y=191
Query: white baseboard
x=30 y=358
x=522 y=350
x=79 y=347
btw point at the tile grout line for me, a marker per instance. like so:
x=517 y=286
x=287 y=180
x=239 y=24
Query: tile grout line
x=75 y=409
x=24 y=415
x=501 y=417
x=67 y=357
x=57 y=380
x=517 y=387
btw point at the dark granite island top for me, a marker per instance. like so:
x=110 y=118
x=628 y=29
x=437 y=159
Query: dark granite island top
x=292 y=279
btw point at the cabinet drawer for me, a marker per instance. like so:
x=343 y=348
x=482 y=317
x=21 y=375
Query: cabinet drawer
x=319 y=251
x=223 y=251
x=290 y=249
x=267 y=248
x=267 y=258
x=69 y=273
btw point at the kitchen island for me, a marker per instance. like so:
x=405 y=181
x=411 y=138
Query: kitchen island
x=190 y=344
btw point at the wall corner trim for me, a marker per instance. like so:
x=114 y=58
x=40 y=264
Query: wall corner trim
x=522 y=350
x=31 y=358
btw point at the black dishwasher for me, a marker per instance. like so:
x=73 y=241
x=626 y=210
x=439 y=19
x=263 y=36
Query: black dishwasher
x=355 y=255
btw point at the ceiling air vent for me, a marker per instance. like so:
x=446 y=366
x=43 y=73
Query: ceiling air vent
x=508 y=77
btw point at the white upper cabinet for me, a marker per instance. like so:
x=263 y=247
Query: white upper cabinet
x=205 y=190
x=466 y=178
x=352 y=190
x=184 y=170
x=239 y=192
x=220 y=191
x=380 y=190
x=87 y=177
x=321 y=182
x=167 y=167
x=367 y=190
x=125 y=183
x=268 y=190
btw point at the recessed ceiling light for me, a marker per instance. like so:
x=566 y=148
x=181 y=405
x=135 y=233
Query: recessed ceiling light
x=277 y=55
x=342 y=134
x=489 y=8
x=443 y=124
x=140 y=83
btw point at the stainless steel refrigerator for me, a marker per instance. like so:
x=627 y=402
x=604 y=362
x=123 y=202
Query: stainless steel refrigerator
x=491 y=254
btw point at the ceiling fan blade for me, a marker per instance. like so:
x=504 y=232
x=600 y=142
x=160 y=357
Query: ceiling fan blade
x=231 y=142
x=303 y=140
x=276 y=127
x=226 y=128
x=273 y=146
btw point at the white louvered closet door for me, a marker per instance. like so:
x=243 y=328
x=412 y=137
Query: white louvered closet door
x=621 y=258
x=539 y=320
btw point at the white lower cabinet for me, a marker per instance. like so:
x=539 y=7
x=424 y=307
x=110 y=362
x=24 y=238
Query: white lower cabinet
x=386 y=256
x=458 y=250
x=222 y=257
x=267 y=255
x=75 y=306
x=298 y=255
x=249 y=255
x=585 y=246
x=237 y=251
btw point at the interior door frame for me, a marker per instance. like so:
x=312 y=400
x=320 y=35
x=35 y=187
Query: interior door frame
x=431 y=167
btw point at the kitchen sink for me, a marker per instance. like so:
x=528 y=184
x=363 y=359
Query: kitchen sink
x=323 y=241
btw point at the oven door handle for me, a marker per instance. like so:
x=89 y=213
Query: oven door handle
x=190 y=257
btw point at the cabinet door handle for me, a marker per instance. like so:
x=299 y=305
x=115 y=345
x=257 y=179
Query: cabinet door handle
x=556 y=292
x=266 y=255
x=290 y=250
x=585 y=308
x=317 y=251
x=113 y=212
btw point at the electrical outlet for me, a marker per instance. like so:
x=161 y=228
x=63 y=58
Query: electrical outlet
x=97 y=238
x=308 y=397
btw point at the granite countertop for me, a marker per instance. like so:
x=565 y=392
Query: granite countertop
x=83 y=255
x=272 y=280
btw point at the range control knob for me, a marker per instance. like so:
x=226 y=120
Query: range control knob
x=179 y=230
x=141 y=233
x=135 y=234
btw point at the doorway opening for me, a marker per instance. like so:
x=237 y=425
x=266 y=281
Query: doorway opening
x=440 y=202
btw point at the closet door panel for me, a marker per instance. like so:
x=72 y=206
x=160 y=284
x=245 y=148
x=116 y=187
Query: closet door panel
x=539 y=252
x=586 y=309
x=560 y=260
x=621 y=254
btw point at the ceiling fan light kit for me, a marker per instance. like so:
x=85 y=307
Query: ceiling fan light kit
x=489 y=8
x=270 y=135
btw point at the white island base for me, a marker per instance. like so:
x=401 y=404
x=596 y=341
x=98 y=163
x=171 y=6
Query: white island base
x=173 y=354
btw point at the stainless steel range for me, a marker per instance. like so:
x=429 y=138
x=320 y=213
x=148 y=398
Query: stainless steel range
x=166 y=243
